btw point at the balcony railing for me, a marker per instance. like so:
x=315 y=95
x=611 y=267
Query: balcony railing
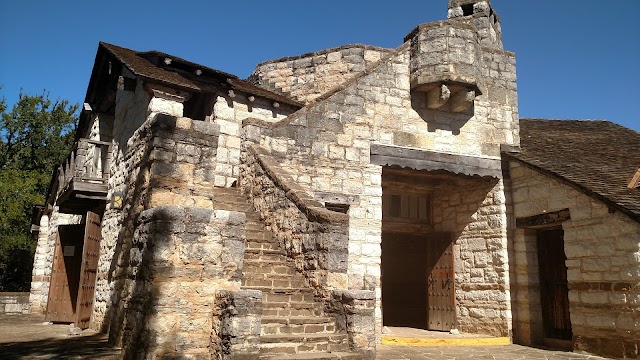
x=83 y=176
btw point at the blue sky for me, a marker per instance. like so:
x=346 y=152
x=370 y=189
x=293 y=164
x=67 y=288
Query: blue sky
x=576 y=59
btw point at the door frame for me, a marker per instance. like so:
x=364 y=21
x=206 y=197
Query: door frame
x=551 y=334
x=87 y=272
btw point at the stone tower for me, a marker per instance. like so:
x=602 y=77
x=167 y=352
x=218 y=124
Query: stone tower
x=480 y=14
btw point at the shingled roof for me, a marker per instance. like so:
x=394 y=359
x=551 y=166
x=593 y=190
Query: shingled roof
x=142 y=64
x=598 y=158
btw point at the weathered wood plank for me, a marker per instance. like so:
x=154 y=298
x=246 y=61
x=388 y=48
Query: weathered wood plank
x=543 y=220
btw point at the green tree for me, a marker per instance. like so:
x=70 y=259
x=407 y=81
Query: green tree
x=35 y=137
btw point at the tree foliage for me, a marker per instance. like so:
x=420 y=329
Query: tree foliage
x=35 y=137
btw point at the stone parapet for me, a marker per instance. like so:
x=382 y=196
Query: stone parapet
x=308 y=76
x=354 y=311
x=14 y=302
x=236 y=325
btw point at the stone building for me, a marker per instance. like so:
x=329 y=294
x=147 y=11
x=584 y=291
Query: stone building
x=200 y=215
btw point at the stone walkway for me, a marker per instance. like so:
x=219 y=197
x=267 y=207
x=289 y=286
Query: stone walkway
x=508 y=352
x=25 y=337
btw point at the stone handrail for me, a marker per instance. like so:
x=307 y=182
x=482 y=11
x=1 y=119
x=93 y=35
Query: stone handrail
x=314 y=237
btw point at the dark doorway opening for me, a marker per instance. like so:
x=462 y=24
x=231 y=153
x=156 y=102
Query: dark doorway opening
x=554 y=290
x=404 y=286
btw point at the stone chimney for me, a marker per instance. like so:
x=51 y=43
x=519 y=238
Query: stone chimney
x=482 y=16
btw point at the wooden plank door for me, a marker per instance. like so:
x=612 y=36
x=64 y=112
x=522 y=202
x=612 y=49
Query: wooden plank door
x=91 y=251
x=441 y=301
x=65 y=271
x=554 y=290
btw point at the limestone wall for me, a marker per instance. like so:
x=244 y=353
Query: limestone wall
x=125 y=190
x=181 y=256
x=327 y=145
x=326 y=148
x=308 y=76
x=603 y=267
x=14 y=303
x=229 y=113
x=475 y=212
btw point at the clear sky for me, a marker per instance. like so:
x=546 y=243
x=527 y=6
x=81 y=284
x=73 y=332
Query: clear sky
x=577 y=59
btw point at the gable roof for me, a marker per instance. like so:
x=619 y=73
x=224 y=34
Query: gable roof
x=150 y=66
x=598 y=158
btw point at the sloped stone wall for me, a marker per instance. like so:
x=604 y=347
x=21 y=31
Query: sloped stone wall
x=313 y=236
x=228 y=113
x=308 y=76
x=603 y=267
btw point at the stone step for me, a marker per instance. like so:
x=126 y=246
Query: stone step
x=273 y=325
x=261 y=237
x=269 y=256
x=317 y=356
x=306 y=308
x=255 y=227
x=260 y=267
x=269 y=282
x=286 y=344
x=264 y=242
x=241 y=207
x=280 y=295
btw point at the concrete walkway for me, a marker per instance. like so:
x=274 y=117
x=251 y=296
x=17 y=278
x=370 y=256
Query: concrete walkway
x=504 y=352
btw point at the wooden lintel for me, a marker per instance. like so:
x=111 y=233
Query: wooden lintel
x=406 y=228
x=544 y=220
x=387 y=155
x=91 y=197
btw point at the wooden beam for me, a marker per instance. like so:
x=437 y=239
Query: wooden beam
x=417 y=159
x=635 y=181
x=543 y=220
x=406 y=228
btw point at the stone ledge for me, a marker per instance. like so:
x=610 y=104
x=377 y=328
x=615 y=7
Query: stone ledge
x=325 y=51
x=436 y=24
x=294 y=192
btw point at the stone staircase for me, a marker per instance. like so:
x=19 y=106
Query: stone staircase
x=293 y=323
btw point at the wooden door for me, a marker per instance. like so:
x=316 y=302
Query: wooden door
x=441 y=301
x=554 y=291
x=65 y=271
x=91 y=251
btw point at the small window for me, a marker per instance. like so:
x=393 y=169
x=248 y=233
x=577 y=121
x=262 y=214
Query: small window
x=467 y=9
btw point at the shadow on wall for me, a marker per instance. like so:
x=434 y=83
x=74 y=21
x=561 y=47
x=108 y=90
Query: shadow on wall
x=124 y=280
x=442 y=118
x=134 y=296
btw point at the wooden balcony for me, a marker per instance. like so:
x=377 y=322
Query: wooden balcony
x=82 y=180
